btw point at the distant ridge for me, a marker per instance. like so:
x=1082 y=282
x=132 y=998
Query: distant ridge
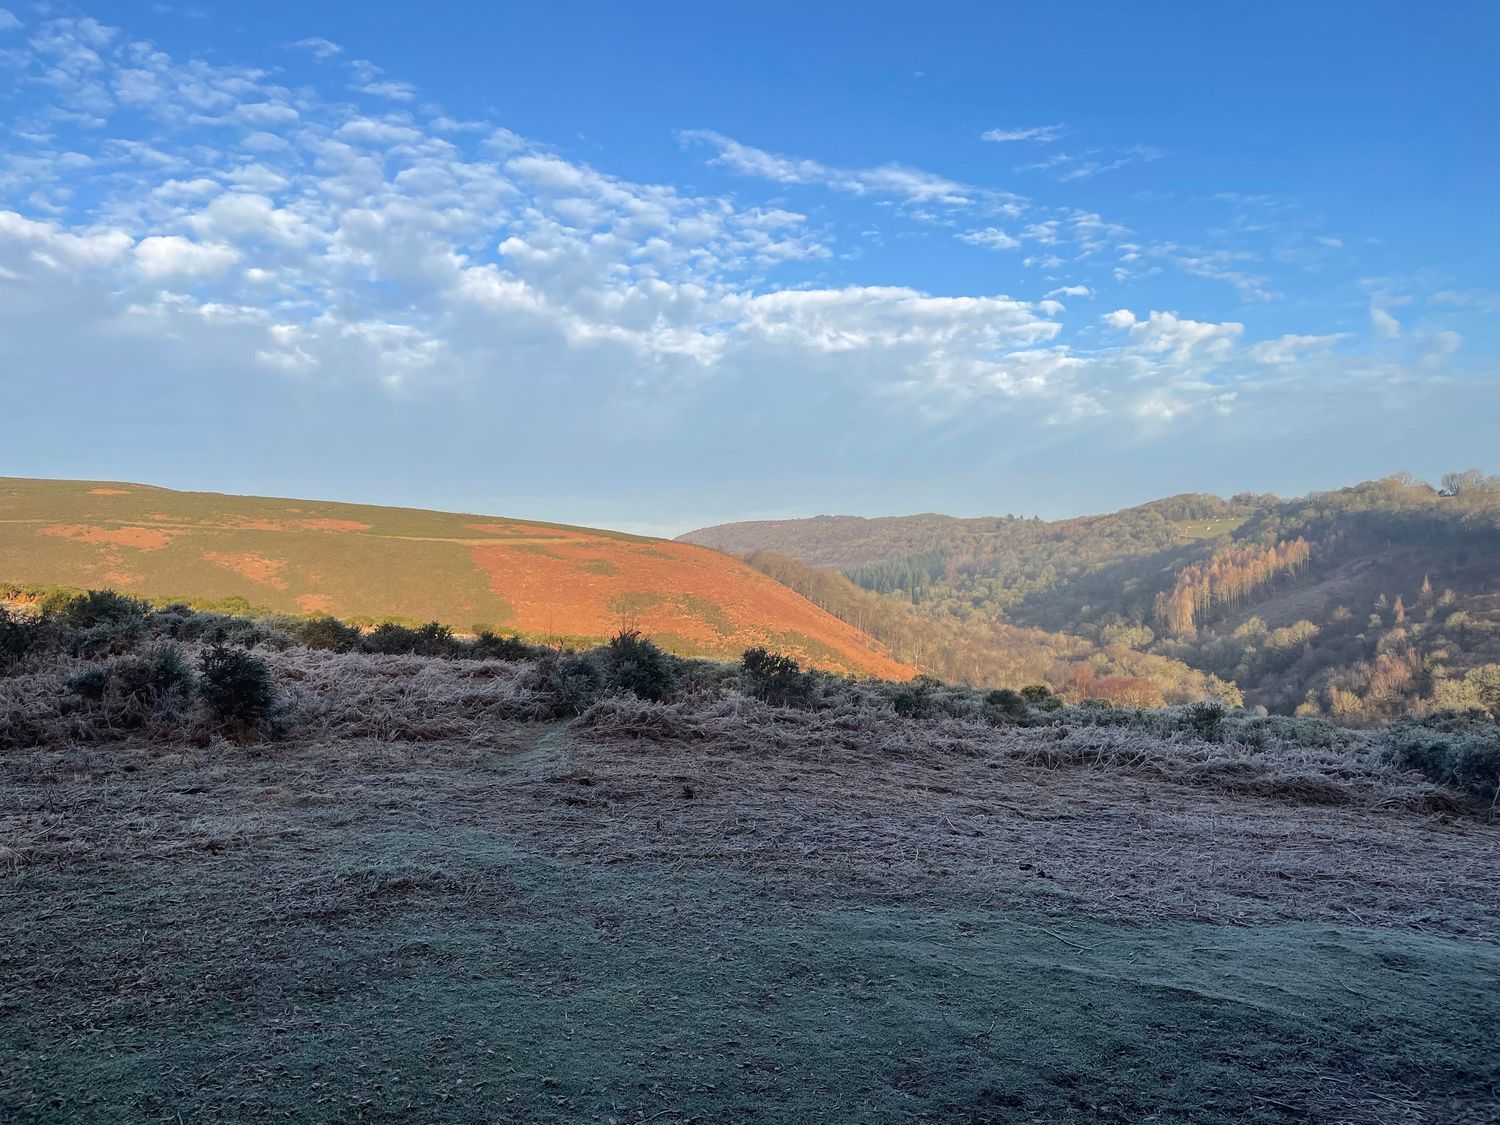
x=357 y=561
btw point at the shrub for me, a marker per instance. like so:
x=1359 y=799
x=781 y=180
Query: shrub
x=563 y=683
x=775 y=679
x=19 y=637
x=135 y=689
x=326 y=633
x=237 y=687
x=917 y=698
x=1006 y=703
x=488 y=646
x=1040 y=696
x=101 y=607
x=391 y=639
x=1205 y=720
x=91 y=682
x=433 y=639
x=1462 y=750
x=633 y=664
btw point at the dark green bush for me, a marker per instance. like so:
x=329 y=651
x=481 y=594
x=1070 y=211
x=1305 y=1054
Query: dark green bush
x=134 y=689
x=917 y=698
x=326 y=633
x=1458 y=749
x=1205 y=720
x=563 y=683
x=1006 y=703
x=1037 y=693
x=488 y=646
x=632 y=663
x=775 y=679
x=103 y=607
x=391 y=639
x=91 y=682
x=19 y=638
x=237 y=687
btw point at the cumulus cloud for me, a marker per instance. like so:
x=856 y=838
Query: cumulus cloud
x=991 y=238
x=329 y=240
x=172 y=255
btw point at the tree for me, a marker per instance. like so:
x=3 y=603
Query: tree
x=1459 y=484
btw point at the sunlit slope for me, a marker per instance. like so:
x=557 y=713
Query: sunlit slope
x=363 y=561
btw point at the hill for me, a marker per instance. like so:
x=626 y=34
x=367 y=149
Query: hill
x=979 y=650
x=369 y=563
x=1363 y=603
x=412 y=894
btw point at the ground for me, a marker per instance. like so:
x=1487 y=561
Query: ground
x=723 y=914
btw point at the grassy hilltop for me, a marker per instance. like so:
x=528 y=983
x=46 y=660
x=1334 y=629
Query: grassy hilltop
x=363 y=562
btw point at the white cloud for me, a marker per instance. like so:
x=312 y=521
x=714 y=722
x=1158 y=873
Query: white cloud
x=1383 y=323
x=991 y=238
x=288 y=234
x=887 y=180
x=395 y=91
x=1440 y=347
x=319 y=48
x=1185 y=340
x=1038 y=133
x=1291 y=348
x=162 y=256
x=8 y=21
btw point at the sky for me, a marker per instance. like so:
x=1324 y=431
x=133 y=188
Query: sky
x=659 y=265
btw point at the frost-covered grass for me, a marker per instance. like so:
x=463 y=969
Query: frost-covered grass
x=456 y=890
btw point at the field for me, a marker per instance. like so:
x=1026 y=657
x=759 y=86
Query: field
x=416 y=905
x=546 y=581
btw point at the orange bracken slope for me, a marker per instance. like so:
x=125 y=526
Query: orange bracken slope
x=367 y=562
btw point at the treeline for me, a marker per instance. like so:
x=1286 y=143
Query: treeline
x=1230 y=577
x=1193 y=579
x=989 y=653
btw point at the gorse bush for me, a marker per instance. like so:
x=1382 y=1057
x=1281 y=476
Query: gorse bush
x=19 y=637
x=1007 y=703
x=1205 y=720
x=132 y=690
x=563 y=684
x=326 y=633
x=99 y=607
x=1458 y=749
x=633 y=664
x=487 y=645
x=775 y=679
x=391 y=639
x=237 y=687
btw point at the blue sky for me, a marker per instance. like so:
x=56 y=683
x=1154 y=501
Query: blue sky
x=665 y=264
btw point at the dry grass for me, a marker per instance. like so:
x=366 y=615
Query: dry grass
x=418 y=904
x=1101 y=820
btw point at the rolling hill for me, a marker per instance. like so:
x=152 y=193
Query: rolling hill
x=362 y=562
x=1362 y=604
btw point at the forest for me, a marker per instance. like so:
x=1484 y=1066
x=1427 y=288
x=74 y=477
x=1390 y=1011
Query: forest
x=1361 y=604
